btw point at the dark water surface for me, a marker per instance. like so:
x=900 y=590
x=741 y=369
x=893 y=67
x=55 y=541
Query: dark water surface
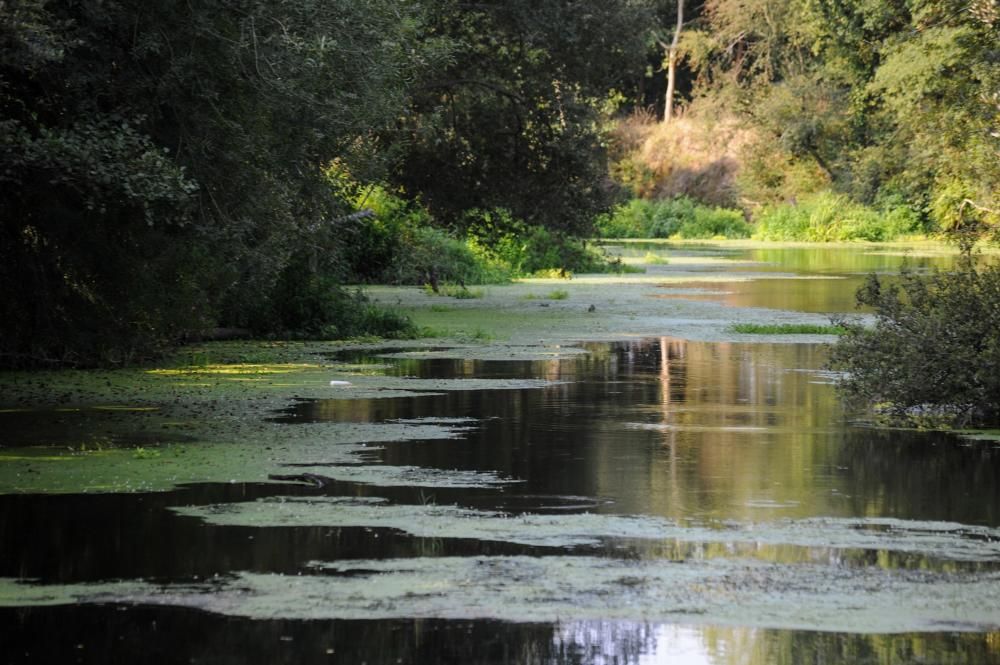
x=698 y=433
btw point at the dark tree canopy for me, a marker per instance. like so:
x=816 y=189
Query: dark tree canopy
x=514 y=121
x=162 y=162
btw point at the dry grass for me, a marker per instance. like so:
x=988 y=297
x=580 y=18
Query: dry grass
x=697 y=154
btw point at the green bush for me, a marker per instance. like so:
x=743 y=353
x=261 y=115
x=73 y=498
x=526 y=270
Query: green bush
x=309 y=304
x=713 y=223
x=532 y=250
x=829 y=217
x=377 y=239
x=680 y=217
x=431 y=255
x=933 y=354
x=399 y=244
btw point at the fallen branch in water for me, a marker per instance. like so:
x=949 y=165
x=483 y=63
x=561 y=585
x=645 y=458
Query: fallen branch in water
x=307 y=478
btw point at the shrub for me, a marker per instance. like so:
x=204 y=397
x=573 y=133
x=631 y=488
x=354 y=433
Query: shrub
x=787 y=329
x=428 y=254
x=829 y=217
x=399 y=244
x=713 y=223
x=934 y=351
x=680 y=217
x=531 y=250
x=313 y=305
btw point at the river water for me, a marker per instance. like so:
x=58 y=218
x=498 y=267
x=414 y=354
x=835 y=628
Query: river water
x=743 y=516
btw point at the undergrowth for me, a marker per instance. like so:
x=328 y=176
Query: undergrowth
x=679 y=217
x=787 y=329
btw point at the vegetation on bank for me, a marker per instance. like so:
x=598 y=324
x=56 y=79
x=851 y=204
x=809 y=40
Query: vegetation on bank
x=888 y=110
x=680 y=217
x=787 y=329
x=819 y=217
x=828 y=217
x=399 y=242
x=168 y=171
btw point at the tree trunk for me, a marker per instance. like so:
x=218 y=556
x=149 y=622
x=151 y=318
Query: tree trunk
x=668 y=109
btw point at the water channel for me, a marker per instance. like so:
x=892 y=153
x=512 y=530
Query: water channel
x=653 y=500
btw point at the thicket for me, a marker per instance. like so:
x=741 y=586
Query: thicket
x=881 y=102
x=933 y=355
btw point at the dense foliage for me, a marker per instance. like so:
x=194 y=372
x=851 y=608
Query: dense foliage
x=933 y=354
x=164 y=166
x=681 y=217
x=399 y=243
x=514 y=121
x=885 y=102
x=169 y=167
x=828 y=217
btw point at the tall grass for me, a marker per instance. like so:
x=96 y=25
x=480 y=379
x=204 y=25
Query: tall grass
x=829 y=217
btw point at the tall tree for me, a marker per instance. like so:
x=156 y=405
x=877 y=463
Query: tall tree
x=893 y=101
x=161 y=163
x=514 y=122
x=672 y=52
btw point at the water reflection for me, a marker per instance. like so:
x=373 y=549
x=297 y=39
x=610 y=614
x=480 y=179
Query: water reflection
x=829 y=276
x=699 y=433
x=690 y=431
x=110 y=635
x=822 y=296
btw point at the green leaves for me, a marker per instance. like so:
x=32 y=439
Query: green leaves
x=514 y=121
x=934 y=352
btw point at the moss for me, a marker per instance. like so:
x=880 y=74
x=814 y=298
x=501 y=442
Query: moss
x=935 y=540
x=233 y=453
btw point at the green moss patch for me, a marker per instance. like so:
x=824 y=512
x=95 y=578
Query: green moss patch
x=248 y=453
x=937 y=540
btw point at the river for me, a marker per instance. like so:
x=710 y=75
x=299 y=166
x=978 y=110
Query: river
x=655 y=499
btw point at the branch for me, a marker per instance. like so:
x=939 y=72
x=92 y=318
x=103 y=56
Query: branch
x=972 y=204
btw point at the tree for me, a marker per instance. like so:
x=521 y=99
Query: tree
x=672 y=53
x=892 y=101
x=933 y=355
x=514 y=121
x=162 y=162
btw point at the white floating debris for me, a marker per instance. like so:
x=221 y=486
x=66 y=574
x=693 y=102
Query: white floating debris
x=340 y=383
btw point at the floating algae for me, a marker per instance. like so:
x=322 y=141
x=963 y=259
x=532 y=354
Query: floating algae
x=333 y=450
x=560 y=589
x=938 y=540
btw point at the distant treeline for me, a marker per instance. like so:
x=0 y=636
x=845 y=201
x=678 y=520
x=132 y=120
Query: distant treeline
x=890 y=108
